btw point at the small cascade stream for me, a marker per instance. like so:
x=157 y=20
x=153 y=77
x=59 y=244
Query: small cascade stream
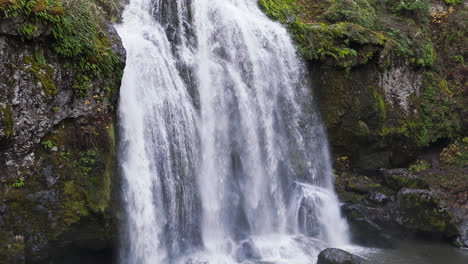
x=224 y=158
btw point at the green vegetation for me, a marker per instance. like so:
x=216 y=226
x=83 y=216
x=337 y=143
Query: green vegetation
x=417 y=8
x=15 y=183
x=27 y=30
x=42 y=72
x=456 y=154
x=453 y=2
x=355 y=11
x=76 y=37
x=419 y=165
x=7 y=120
x=47 y=144
x=424 y=211
x=438 y=109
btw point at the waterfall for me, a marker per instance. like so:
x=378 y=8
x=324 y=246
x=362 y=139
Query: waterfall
x=223 y=155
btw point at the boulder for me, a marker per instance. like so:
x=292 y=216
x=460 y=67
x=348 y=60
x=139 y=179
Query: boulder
x=422 y=211
x=397 y=179
x=368 y=225
x=337 y=256
x=247 y=251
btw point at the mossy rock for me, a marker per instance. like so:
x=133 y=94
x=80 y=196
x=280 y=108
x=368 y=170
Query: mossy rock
x=354 y=11
x=397 y=179
x=350 y=197
x=6 y=122
x=422 y=211
x=361 y=185
x=344 y=45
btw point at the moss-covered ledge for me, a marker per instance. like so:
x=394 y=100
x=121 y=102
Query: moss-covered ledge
x=388 y=76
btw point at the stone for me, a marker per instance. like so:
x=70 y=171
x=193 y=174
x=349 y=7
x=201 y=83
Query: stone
x=337 y=256
x=247 y=251
x=361 y=187
x=397 y=179
x=422 y=211
x=367 y=225
x=462 y=239
x=377 y=197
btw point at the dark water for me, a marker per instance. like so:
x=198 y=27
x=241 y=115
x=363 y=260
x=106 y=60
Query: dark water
x=415 y=252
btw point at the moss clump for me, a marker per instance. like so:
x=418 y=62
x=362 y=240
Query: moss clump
x=11 y=248
x=38 y=11
x=7 y=120
x=440 y=113
x=355 y=11
x=280 y=10
x=74 y=206
x=417 y=8
x=79 y=39
x=42 y=72
x=419 y=165
x=361 y=185
x=347 y=44
x=422 y=211
x=405 y=180
x=77 y=36
x=456 y=154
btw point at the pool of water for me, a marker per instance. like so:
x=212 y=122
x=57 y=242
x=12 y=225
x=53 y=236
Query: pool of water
x=414 y=252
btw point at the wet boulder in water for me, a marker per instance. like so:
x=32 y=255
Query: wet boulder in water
x=247 y=251
x=337 y=256
x=367 y=225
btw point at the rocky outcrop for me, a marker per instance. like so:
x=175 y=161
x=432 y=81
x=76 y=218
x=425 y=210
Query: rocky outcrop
x=392 y=209
x=386 y=88
x=421 y=210
x=57 y=127
x=337 y=256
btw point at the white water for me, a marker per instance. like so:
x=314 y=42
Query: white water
x=223 y=153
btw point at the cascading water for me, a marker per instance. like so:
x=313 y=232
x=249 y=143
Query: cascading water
x=224 y=159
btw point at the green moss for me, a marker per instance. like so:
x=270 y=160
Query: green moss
x=99 y=187
x=27 y=30
x=42 y=73
x=355 y=11
x=424 y=212
x=397 y=182
x=74 y=206
x=419 y=165
x=350 y=197
x=11 y=249
x=7 y=120
x=78 y=37
x=453 y=2
x=417 y=8
x=379 y=105
x=439 y=112
x=347 y=44
x=280 y=10
x=455 y=154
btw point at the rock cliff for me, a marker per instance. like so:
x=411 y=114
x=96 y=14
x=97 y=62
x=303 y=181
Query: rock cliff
x=60 y=70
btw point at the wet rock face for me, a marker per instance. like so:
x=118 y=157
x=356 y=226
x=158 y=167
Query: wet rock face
x=337 y=256
x=57 y=158
x=400 y=82
x=393 y=209
x=462 y=239
x=400 y=178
